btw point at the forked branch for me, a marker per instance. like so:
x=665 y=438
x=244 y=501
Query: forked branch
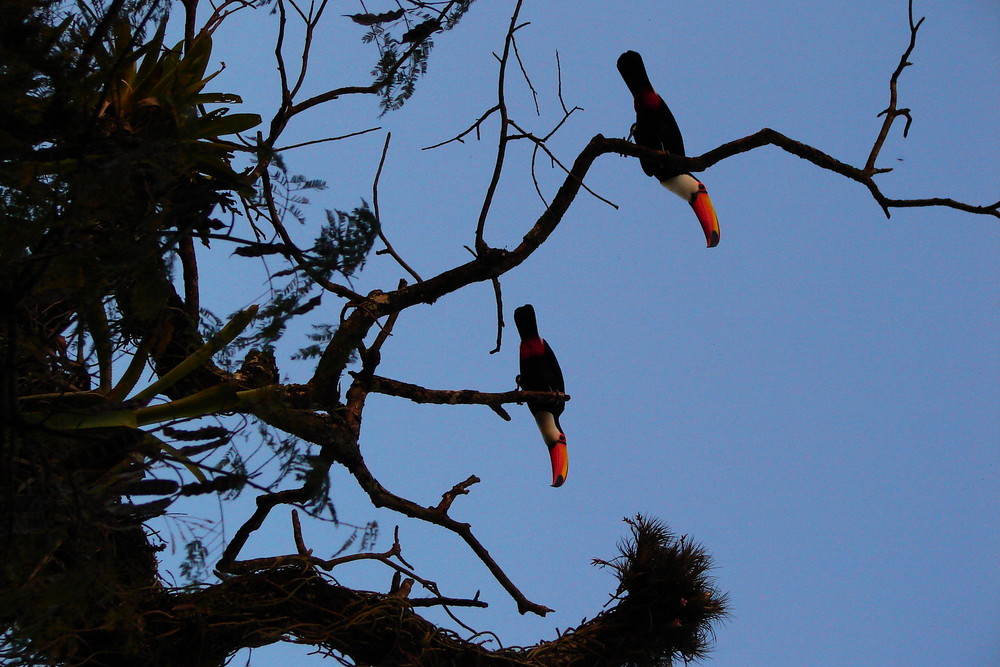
x=892 y=112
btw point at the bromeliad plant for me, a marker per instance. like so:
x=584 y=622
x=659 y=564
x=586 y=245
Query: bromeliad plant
x=158 y=95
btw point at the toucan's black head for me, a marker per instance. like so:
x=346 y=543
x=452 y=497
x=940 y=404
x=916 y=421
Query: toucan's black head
x=524 y=320
x=633 y=71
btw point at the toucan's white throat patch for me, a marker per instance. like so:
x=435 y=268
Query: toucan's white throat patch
x=547 y=425
x=684 y=186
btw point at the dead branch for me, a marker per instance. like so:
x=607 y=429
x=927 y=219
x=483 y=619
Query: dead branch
x=524 y=72
x=502 y=140
x=459 y=137
x=325 y=140
x=500 y=324
x=891 y=112
x=378 y=218
x=381 y=497
x=418 y=394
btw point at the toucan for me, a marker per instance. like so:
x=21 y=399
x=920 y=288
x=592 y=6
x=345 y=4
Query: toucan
x=540 y=372
x=656 y=128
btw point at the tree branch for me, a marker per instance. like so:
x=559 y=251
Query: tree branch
x=766 y=137
x=460 y=135
x=418 y=394
x=664 y=611
x=481 y=245
x=382 y=497
x=891 y=112
x=378 y=218
x=293 y=250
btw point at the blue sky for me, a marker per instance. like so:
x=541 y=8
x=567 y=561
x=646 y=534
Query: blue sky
x=814 y=399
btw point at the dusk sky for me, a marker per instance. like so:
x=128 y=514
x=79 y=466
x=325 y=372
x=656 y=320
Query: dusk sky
x=814 y=400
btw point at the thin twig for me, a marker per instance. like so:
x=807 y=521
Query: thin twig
x=286 y=95
x=500 y=324
x=474 y=126
x=460 y=489
x=300 y=545
x=502 y=140
x=321 y=141
x=559 y=86
x=891 y=112
x=524 y=72
x=534 y=175
x=311 y=22
x=378 y=216
x=541 y=143
x=224 y=10
x=300 y=259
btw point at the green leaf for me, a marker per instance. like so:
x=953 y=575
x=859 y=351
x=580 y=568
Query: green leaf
x=225 y=124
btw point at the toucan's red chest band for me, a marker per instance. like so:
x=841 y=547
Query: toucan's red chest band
x=533 y=347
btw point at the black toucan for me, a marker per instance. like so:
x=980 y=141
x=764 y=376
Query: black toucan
x=656 y=128
x=540 y=372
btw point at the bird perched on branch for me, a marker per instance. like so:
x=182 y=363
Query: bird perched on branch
x=656 y=128
x=540 y=372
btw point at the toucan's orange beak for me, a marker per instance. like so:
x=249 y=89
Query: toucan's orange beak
x=702 y=205
x=560 y=461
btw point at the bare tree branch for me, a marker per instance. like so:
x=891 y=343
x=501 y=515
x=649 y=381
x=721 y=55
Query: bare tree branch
x=418 y=394
x=322 y=141
x=500 y=323
x=378 y=218
x=460 y=135
x=891 y=112
x=502 y=140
